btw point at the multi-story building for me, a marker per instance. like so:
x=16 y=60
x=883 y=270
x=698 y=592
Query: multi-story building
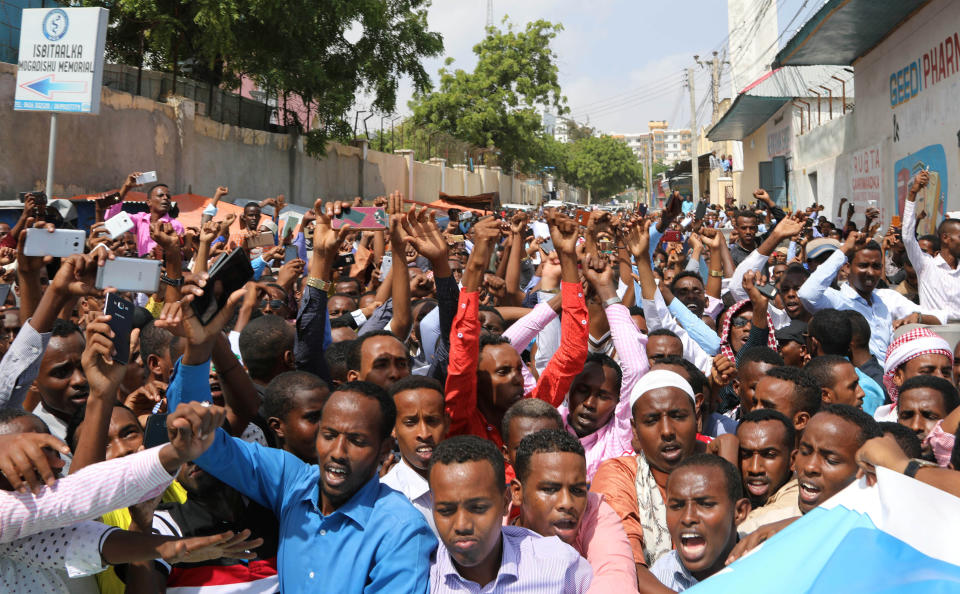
x=668 y=145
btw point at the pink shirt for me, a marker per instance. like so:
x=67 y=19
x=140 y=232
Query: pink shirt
x=90 y=493
x=141 y=227
x=602 y=541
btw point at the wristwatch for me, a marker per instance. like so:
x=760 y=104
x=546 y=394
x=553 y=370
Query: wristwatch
x=915 y=465
x=611 y=301
x=321 y=285
x=173 y=282
x=716 y=273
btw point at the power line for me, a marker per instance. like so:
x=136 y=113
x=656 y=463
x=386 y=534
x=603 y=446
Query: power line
x=639 y=91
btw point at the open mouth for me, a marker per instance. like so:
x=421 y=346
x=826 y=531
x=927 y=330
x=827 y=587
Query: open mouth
x=424 y=452
x=671 y=452
x=693 y=546
x=809 y=493
x=335 y=475
x=758 y=486
x=565 y=528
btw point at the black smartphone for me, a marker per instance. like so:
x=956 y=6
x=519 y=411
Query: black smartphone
x=4 y=293
x=701 y=211
x=155 y=432
x=343 y=260
x=290 y=253
x=643 y=210
x=230 y=273
x=768 y=291
x=121 y=322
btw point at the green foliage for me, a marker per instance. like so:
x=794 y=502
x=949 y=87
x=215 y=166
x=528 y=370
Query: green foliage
x=604 y=164
x=659 y=167
x=577 y=132
x=292 y=48
x=497 y=105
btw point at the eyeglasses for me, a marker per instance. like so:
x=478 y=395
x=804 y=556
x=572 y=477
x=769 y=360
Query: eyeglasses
x=274 y=304
x=739 y=322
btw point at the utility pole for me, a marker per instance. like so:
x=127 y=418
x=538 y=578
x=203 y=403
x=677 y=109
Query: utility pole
x=649 y=164
x=694 y=161
x=714 y=64
x=489 y=13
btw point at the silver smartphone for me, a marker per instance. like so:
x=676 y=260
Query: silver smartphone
x=60 y=243
x=130 y=274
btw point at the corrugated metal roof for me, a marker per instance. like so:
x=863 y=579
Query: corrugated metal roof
x=762 y=98
x=844 y=30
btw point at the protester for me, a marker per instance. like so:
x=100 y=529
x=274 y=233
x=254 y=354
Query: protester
x=767 y=440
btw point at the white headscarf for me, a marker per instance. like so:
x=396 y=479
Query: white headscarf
x=660 y=378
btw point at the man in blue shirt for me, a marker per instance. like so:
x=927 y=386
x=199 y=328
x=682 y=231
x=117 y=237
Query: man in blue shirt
x=340 y=529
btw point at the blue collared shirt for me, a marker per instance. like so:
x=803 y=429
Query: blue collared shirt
x=375 y=542
x=672 y=573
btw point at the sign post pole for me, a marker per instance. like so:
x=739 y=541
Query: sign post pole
x=51 y=154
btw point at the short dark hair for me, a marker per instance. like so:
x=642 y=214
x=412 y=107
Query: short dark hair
x=528 y=408
x=766 y=414
x=416 y=382
x=262 y=342
x=156 y=341
x=684 y=274
x=821 y=368
x=869 y=246
x=349 y=279
x=795 y=268
x=545 y=441
x=336 y=356
x=806 y=391
x=345 y=295
x=663 y=332
x=906 y=438
x=494 y=311
x=935 y=239
x=388 y=410
x=637 y=311
x=487 y=339
x=697 y=380
x=947 y=390
x=745 y=213
x=730 y=472
x=251 y=203
x=759 y=354
x=859 y=327
x=605 y=360
x=869 y=428
x=279 y=394
x=62 y=328
x=355 y=355
x=12 y=413
x=832 y=329
x=470 y=448
x=155 y=186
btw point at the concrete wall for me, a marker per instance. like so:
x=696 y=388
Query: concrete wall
x=196 y=154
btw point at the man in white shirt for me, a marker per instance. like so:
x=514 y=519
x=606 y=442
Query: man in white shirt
x=884 y=309
x=421 y=424
x=938 y=276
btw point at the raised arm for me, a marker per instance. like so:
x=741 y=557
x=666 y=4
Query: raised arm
x=402 y=316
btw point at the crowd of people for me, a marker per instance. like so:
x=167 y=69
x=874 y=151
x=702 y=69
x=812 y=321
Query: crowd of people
x=561 y=400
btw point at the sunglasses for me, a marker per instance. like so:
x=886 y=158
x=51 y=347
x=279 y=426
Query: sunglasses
x=739 y=322
x=274 y=303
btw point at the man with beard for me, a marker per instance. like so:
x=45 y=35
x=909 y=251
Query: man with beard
x=551 y=494
x=883 y=308
x=158 y=202
x=705 y=503
x=665 y=429
x=484 y=377
x=477 y=551
x=767 y=441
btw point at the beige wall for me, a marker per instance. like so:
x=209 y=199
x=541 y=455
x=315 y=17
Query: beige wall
x=195 y=154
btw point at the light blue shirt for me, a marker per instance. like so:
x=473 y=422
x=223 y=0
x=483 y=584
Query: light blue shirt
x=375 y=542
x=698 y=330
x=529 y=564
x=872 y=393
x=887 y=305
x=671 y=572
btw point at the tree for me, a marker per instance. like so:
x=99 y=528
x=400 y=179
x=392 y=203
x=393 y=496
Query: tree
x=603 y=164
x=296 y=47
x=659 y=167
x=496 y=105
x=576 y=132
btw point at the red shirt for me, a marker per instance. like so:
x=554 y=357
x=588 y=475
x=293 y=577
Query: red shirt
x=461 y=388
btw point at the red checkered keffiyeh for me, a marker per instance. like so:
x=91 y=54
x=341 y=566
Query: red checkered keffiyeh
x=725 y=324
x=917 y=342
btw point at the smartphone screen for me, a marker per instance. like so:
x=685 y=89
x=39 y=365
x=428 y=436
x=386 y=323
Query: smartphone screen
x=701 y=210
x=121 y=322
x=290 y=253
x=155 y=432
x=230 y=273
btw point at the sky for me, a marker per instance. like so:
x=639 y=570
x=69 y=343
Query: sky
x=621 y=62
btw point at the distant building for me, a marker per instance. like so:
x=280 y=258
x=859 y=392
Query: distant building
x=669 y=146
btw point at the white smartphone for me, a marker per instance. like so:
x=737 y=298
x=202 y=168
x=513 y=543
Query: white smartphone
x=118 y=224
x=146 y=177
x=129 y=274
x=60 y=243
x=385 y=265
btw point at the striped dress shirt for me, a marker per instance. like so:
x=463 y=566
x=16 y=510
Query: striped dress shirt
x=939 y=285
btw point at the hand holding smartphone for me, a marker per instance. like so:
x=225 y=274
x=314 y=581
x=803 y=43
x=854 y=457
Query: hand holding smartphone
x=230 y=273
x=59 y=243
x=129 y=274
x=146 y=178
x=121 y=322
